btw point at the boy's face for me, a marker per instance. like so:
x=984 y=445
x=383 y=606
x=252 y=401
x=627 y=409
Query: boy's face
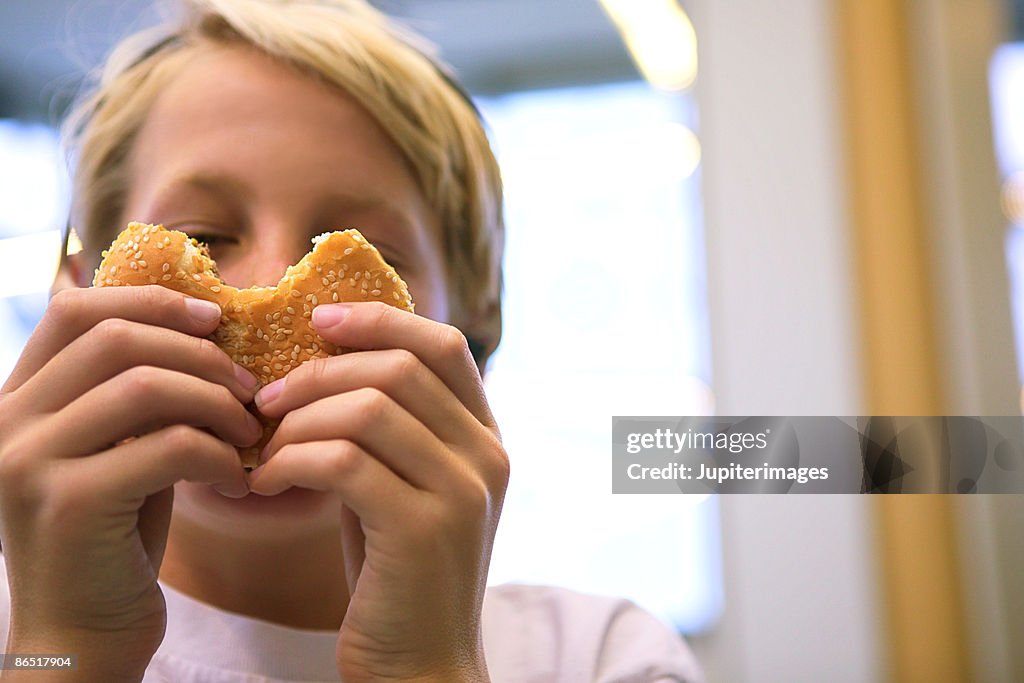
x=257 y=159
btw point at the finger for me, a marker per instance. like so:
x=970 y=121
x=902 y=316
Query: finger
x=156 y=461
x=395 y=372
x=145 y=399
x=73 y=311
x=442 y=348
x=114 y=345
x=377 y=495
x=372 y=420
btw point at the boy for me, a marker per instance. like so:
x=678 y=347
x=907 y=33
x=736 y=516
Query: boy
x=359 y=549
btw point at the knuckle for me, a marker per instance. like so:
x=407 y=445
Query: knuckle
x=381 y=311
x=223 y=395
x=476 y=497
x=453 y=342
x=157 y=297
x=140 y=382
x=212 y=353
x=345 y=458
x=372 y=405
x=181 y=439
x=315 y=370
x=64 y=305
x=404 y=364
x=17 y=465
x=501 y=466
x=114 y=332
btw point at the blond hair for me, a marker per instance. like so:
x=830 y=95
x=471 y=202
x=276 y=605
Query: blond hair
x=391 y=72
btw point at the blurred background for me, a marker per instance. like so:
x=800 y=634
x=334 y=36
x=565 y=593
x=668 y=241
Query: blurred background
x=825 y=205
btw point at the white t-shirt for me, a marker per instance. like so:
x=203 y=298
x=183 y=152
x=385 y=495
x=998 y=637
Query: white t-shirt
x=532 y=634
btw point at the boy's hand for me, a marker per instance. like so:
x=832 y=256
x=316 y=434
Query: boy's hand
x=402 y=432
x=84 y=507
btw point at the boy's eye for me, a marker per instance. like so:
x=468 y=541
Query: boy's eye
x=213 y=240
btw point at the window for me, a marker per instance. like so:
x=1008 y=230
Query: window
x=605 y=315
x=1007 y=87
x=33 y=204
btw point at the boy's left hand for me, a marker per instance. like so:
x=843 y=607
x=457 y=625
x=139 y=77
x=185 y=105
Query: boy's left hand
x=402 y=432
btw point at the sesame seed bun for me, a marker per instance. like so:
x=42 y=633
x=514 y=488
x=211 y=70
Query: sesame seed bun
x=266 y=330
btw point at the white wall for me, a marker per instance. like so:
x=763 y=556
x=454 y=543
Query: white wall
x=799 y=571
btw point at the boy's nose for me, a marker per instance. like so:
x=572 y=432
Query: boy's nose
x=265 y=260
x=266 y=268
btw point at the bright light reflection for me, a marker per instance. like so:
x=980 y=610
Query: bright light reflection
x=616 y=324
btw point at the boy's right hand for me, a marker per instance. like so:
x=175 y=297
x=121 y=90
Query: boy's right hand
x=84 y=507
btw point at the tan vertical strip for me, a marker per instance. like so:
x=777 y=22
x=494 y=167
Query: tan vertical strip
x=888 y=226
x=919 y=578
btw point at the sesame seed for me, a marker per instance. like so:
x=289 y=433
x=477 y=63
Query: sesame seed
x=269 y=318
x=238 y=308
x=375 y=292
x=290 y=310
x=166 y=277
x=113 y=270
x=117 y=283
x=266 y=369
x=314 y=300
x=159 y=245
x=277 y=315
x=108 y=281
x=395 y=295
x=366 y=285
x=348 y=252
x=364 y=293
x=137 y=255
x=378 y=283
x=297 y=348
x=146 y=238
x=351 y=283
x=325 y=282
x=143 y=264
x=365 y=247
x=358 y=275
x=297 y=294
x=133 y=265
x=215 y=289
x=165 y=267
x=334 y=297
x=308 y=337
x=314 y=347
x=277 y=366
x=153 y=279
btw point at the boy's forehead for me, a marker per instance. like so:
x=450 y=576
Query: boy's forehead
x=235 y=116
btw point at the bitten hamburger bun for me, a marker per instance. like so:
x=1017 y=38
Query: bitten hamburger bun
x=266 y=330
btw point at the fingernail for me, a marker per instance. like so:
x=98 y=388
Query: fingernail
x=203 y=311
x=246 y=378
x=270 y=392
x=330 y=315
x=232 y=491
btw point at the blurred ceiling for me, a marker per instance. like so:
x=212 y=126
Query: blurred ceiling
x=495 y=45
